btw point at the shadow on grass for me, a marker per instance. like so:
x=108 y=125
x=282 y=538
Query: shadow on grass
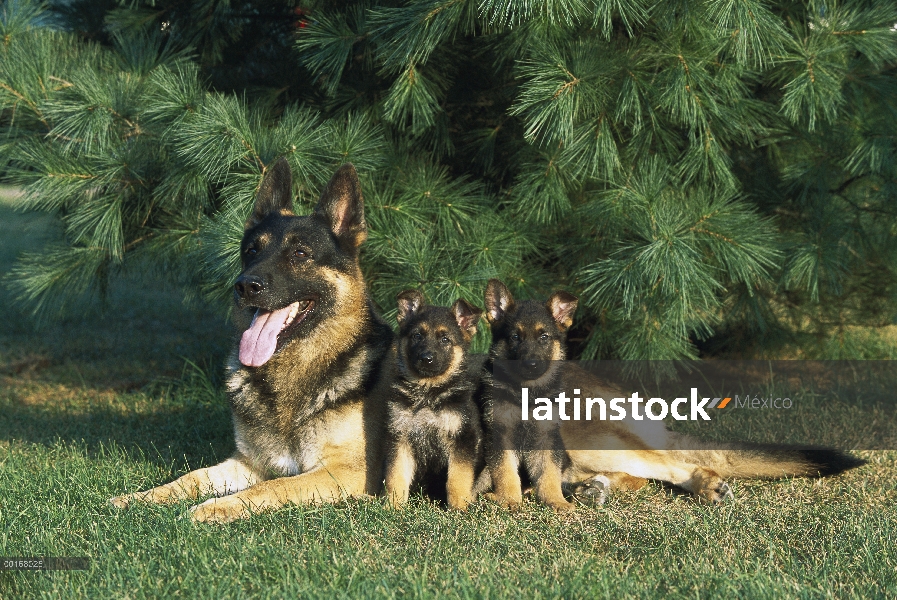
x=142 y=330
x=102 y=377
x=98 y=376
x=198 y=434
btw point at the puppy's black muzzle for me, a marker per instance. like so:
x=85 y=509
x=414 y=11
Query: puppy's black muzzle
x=428 y=363
x=531 y=369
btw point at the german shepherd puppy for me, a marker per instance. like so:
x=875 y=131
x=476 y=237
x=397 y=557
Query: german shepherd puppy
x=309 y=373
x=534 y=334
x=433 y=421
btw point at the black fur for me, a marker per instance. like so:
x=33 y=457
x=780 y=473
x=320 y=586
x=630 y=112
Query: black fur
x=431 y=408
x=528 y=341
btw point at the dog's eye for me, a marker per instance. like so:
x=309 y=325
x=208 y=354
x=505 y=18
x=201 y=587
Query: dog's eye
x=251 y=251
x=445 y=340
x=515 y=337
x=417 y=337
x=300 y=254
x=544 y=337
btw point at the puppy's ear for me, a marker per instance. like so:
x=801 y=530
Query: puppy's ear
x=275 y=194
x=409 y=303
x=342 y=207
x=498 y=301
x=562 y=306
x=467 y=316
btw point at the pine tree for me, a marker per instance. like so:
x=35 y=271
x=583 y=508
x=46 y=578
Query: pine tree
x=702 y=175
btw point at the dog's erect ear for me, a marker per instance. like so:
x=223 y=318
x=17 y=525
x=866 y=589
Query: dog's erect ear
x=467 y=316
x=498 y=301
x=342 y=207
x=409 y=303
x=562 y=306
x=275 y=194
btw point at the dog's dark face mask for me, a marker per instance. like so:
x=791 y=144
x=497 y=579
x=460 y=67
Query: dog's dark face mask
x=296 y=269
x=434 y=339
x=531 y=334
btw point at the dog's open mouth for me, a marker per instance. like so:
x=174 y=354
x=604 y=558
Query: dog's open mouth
x=259 y=342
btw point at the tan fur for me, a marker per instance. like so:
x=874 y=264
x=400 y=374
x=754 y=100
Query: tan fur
x=740 y=463
x=625 y=450
x=401 y=466
x=432 y=419
x=557 y=352
x=459 y=487
x=506 y=485
x=325 y=344
x=309 y=421
x=625 y=481
x=625 y=458
x=331 y=461
x=325 y=484
x=645 y=464
x=399 y=474
x=599 y=454
x=447 y=423
x=548 y=482
x=536 y=453
x=452 y=431
x=233 y=475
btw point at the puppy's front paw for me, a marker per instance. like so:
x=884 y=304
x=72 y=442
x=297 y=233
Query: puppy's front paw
x=560 y=506
x=458 y=502
x=512 y=504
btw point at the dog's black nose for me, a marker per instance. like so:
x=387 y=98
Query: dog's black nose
x=530 y=365
x=427 y=357
x=249 y=286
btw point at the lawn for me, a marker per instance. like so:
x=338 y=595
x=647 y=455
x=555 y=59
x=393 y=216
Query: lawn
x=128 y=397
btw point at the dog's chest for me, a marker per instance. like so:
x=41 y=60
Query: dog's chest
x=425 y=421
x=268 y=450
x=274 y=436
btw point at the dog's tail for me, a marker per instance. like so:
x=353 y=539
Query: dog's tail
x=770 y=461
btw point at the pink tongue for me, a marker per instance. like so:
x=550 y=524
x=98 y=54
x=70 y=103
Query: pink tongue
x=260 y=341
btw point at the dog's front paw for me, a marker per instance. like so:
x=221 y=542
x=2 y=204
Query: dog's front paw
x=512 y=504
x=219 y=510
x=164 y=494
x=458 y=502
x=560 y=506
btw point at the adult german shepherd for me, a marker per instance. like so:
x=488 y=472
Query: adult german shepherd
x=308 y=379
x=566 y=454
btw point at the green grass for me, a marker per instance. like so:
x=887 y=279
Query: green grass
x=102 y=405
